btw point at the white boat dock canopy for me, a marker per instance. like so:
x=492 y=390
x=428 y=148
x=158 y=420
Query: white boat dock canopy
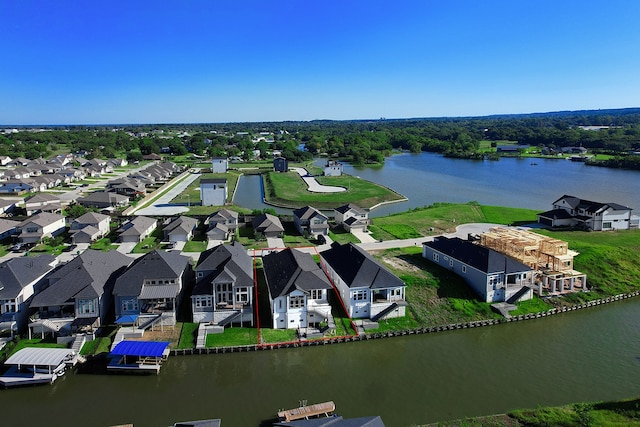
x=37 y=356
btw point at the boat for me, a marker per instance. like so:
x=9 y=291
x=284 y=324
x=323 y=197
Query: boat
x=305 y=411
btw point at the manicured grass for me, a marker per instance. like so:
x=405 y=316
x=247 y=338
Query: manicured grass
x=150 y=243
x=233 y=337
x=104 y=245
x=535 y=305
x=271 y=336
x=339 y=235
x=37 y=343
x=195 y=246
x=395 y=324
x=188 y=335
x=97 y=346
x=288 y=189
x=443 y=218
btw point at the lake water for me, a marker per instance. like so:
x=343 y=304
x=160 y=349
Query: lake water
x=579 y=356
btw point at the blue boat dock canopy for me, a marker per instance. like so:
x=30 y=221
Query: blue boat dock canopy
x=126 y=319
x=140 y=348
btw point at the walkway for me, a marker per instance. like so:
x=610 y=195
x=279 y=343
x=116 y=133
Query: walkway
x=315 y=186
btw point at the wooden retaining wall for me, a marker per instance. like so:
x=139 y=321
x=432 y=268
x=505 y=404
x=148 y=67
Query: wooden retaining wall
x=390 y=334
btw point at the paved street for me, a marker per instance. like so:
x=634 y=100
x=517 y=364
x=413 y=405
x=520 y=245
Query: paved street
x=161 y=206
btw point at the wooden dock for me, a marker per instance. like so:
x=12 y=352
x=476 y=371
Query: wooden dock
x=14 y=378
x=307 y=411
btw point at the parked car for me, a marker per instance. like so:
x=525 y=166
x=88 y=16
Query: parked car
x=69 y=248
x=18 y=247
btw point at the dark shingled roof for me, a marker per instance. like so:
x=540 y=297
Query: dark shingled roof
x=291 y=269
x=83 y=277
x=588 y=205
x=556 y=214
x=307 y=212
x=267 y=222
x=16 y=273
x=358 y=269
x=224 y=260
x=154 y=265
x=350 y=206
x=481 y=258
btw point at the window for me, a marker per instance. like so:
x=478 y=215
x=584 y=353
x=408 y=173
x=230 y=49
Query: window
x=436 y=257
x=130 y=305
x=204 y=301
x=86 y=306
x=606 y=224
x=296 y=301
x=316 y=294
x=200 y=274
x=359 y=295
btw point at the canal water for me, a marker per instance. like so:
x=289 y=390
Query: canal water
x=586 y=355
x=428 y=178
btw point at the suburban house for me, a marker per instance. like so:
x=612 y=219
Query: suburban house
x=103 y=199
x=298 y=290
x=280 y=164
x=213 y=191
x=223 y=293
x=570 y=211
x=89 y=227
x=310 y=222
x=351 y=217
x=19 y=278
x=495 y=277
x=37 y=227
x=367 y=288
x=15 y=188
x=8 y=228
x=332 y=168
x=42 y=202
x=179 y=229
x=221 y=224
x=268 y=226
x=219 y=164
x=7 y=207
x=78 y=295
x=151 y=288
x=136 y=229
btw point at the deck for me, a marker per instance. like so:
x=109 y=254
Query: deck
x=13 y=378
x=305 y=412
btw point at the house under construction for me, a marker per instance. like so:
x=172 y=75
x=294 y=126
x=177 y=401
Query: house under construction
x=550 y=258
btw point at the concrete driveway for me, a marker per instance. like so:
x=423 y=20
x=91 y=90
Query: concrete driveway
x=314 y=185
x=125 y=248
x=273 y=242
x=364 y=237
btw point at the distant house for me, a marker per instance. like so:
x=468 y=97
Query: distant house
x=39 y=226
x=223 y=293
x=19 y=278
x=89 y=227
x=7 y=207
x=219 y=164
x=332 y=168
x=280 y=164
x=310 y=222
x=136 y=229
x=179 y=229
x=351 y=216
x=152 y=287
x=298 y=290
x=15 y=188
x=495 y=277
x=152 y=156
x=78 y=295
x=367 y=288
x=103 y=199
x=42 y=202
x=570 y=211
x=267 y=226
x=221 y=225
x=511 y=148
x=213 y=191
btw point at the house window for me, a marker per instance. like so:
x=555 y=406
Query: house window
x=130 y=304
x=316 y=294
x=606 y=224
x=436 y=257
x=296 y=301
x=360 y=295
x=242 y=295
x=200 y=274
x=86 y=306
x=204 y=301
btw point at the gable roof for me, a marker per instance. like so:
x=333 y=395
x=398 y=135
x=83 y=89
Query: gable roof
x=42 y=219
x=308 y=212
x=588 y=205
x=350 y=207
x=358 y=269
x=17 y=273
x=267 y=222
x=153 y=265
x=7 y=225
x=83 y=277
x=181 y=224
x=231 y=261
x=291 y=269
x=91 y=218
x=103 y=197
x=481 y=258
x=136 y=226
x=42 y=197
x=222 y=215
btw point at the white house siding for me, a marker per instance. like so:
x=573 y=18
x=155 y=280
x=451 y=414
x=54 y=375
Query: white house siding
x=289 y=318
x=213 y=194
x=399 y=311
x=219 y=165
x=614 y=220
x=360 y=309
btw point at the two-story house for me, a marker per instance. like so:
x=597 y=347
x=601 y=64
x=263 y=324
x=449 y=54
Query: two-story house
x=367 y=288
x=570 y=211
x=223 y=293
x=213 y=191
x=298 y=289
x=39 y=226
x=221 y=225
x=179 y=229
x=89 y=227
x=310 y=222
x=351 y=217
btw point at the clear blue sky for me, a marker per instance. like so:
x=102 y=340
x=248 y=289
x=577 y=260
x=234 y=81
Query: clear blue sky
x=134 y=61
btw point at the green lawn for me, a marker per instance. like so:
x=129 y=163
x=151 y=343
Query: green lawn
x=443 y=218
x=339 y=235
x=150 y=243
x=195 y=246
x=188 y=335
x=271 y=336
x=233 y=337
x=104 y=245
x=288 y=189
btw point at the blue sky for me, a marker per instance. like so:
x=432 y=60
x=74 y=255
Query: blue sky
x=104 y=62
